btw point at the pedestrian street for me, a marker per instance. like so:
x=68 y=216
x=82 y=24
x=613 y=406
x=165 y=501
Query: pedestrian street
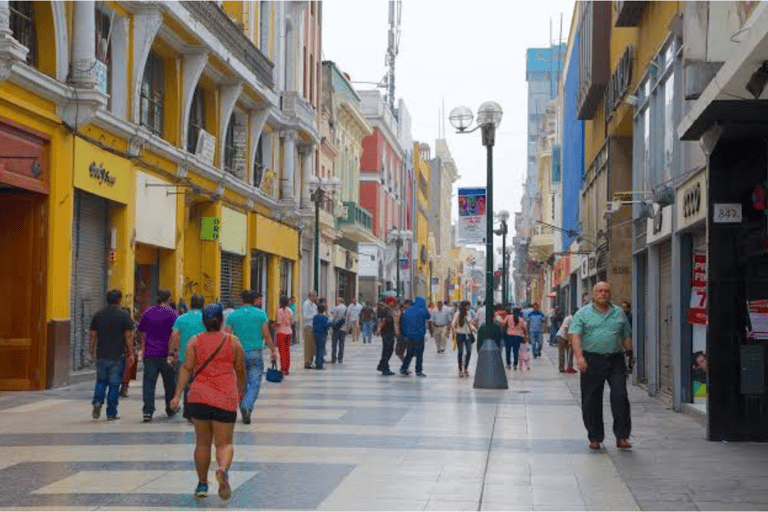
x=348 y=438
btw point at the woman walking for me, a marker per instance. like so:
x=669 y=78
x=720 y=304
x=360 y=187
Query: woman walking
x=463 y=328
x=216 y=361
x=284 y=323
x=514 y=334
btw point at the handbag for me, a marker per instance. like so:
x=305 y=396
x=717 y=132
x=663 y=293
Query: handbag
x=273 y=374
x=197 y=372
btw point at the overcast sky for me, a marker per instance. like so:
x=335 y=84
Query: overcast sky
x=462 y=53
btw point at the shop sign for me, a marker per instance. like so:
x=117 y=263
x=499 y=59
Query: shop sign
x=100 y=70
x=758 y=319
x=660 y=225
x=157 y=223
x=620 y=81
x=102 y=173
x=691 y=201
x=727 y=213
x=210 y=229
x=697 y=313
x=206 y=147
x=234 y=228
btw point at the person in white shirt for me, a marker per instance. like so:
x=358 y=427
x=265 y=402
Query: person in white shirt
x=308 y=312
x=564 y=349
x=339 y=330
x=353 y=319
x=441 y=323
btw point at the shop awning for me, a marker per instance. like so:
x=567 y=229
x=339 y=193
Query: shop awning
x=726 y=100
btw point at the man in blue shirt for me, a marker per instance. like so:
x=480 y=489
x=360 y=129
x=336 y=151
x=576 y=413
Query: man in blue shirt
x=187 y=325
x=320 y=326
x=536 y=324
x=251 y=325
x=414 y=324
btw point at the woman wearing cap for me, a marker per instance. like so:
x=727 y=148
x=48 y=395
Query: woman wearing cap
x=217 y=360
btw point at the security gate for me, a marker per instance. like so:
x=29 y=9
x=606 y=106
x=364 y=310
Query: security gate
x=665 y=319
x=231 y=278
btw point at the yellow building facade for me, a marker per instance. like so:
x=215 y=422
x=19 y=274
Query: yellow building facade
x=421 y=170
x=118 y=158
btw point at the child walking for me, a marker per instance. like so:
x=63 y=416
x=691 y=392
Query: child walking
x=525 y=355
x=320 y=326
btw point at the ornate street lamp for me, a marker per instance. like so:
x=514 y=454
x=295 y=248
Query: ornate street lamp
x=503 y=218
x=490 y=368
x=320 y=188
x=398 y=238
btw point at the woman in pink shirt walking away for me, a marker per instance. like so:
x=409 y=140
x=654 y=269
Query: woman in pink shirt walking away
x=216 y=363
x=283 y=323
x=515 y=333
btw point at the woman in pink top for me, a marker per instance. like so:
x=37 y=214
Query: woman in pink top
x=283 y=323
x=515 y=333
x=217 y=360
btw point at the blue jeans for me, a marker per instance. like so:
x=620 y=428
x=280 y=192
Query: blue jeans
x=337 y=342
x=462 y=340
x=254 y=369
x=367 y=331
x=320 y=350
x=536 y=342
x=108 y=373
x=512 y=344
x=415 y=348
x=154 y=367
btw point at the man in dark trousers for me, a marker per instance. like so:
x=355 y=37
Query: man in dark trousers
x=600 y=337
x=387 y=329
x=414 y=322
x=155 y=330
x=111 y=337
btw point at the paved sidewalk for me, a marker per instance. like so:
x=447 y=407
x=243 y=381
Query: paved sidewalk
x=347 y=438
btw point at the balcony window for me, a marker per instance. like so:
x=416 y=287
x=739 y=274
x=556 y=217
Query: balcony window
x=258 y=163
x=285 y=277
x=104 y=49
x=152 y=95
x=196 y=119
x=22 y=24
x=229 y=147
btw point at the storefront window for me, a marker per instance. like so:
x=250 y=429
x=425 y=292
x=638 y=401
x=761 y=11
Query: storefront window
x=285 y=278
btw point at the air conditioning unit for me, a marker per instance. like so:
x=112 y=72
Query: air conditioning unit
x=612 y=207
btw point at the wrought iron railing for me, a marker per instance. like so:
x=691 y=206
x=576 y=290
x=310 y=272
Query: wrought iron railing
x=357 y=215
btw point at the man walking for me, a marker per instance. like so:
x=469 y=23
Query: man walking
x=308 y=312
x=111 y=337
x=353 y=319
x=414 y=323
x=155 y=332
x=599 y=331
x=339 y=330
x=536 y=324
x=251 y=325
x=564 y=350
x=441 y=320
x=187 y=325
x=387 y=330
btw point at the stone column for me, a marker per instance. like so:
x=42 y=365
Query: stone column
x=307 y=152
x=11 y=51
x=82 y=73
x=289 y=164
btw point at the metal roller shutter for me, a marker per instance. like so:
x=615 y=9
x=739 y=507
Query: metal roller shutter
x=665 y=319
x=90 y=242
x=231 y=278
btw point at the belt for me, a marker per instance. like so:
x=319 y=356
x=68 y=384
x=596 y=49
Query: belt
x=604 y=356
x=440 y=325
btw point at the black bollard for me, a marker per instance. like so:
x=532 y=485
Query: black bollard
x=490 y=373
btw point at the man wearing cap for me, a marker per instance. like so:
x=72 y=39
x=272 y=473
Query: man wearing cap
x=251 y=325
x=599 y=336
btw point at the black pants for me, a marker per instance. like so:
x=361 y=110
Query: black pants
x=415 y=349
x=602 y=368
x=387 y=347
x=154 y=367
x=400 y=347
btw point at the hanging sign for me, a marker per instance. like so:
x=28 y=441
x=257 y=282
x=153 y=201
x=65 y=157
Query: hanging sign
x=697 y=313
x=472 y=216
x=210 y=229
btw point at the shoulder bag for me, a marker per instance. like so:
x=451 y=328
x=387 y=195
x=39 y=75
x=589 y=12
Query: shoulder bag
x=197 y=372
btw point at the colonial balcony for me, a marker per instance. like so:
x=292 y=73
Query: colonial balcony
x=298 y=110
x=357 y=225
x=542 y=240
x=629 y=14
x=231 y=36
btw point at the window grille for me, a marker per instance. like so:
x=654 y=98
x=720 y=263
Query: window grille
x=23 y=28
x=196 y=119
x=152 y=95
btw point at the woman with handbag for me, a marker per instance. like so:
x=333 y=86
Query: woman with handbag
x=214 y=363
x=463 y=328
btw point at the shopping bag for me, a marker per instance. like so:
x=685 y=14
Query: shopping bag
x=273 y=374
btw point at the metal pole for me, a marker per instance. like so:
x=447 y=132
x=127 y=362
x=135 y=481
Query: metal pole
x=317 y=195
x=431 y=298
x=397 y=267
x=488 y=136
x=504 y=262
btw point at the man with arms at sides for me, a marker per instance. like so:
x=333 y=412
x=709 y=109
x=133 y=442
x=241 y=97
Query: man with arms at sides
x=251 y=325
x=600 y=336
x=339 y=330
x=308 y=312
x=186 y=326
x=111 y=336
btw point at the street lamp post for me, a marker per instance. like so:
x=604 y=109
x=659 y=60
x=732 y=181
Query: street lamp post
x=503 y=217
x=318 y=195
x=397 y=237
x=490 y=368
x=431 y=298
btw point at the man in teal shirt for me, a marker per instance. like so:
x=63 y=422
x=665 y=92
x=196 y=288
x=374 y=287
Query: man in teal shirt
x=600 y=334
x=187 y=325
x=251 y=325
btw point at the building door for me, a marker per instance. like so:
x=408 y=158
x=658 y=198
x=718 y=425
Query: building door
x=231 y=278
x=665 y=320
x=90 y=248
x=22 y=289
x=259 y=275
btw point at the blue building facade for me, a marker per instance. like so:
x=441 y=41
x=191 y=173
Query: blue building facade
x=573 y=148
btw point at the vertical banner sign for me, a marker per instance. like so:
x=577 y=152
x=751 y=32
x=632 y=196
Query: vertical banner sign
x=697 y=314
x=210 y=229
x=435 y=285
x=472 y=221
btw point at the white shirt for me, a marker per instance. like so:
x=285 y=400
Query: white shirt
x=462 y=329
x=353 y=312
x=563 y=331
x=308 y=312
x=225 y=314
x=338 y=313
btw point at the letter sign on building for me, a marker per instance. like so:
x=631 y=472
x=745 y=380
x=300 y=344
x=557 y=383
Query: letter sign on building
x=691 y=201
